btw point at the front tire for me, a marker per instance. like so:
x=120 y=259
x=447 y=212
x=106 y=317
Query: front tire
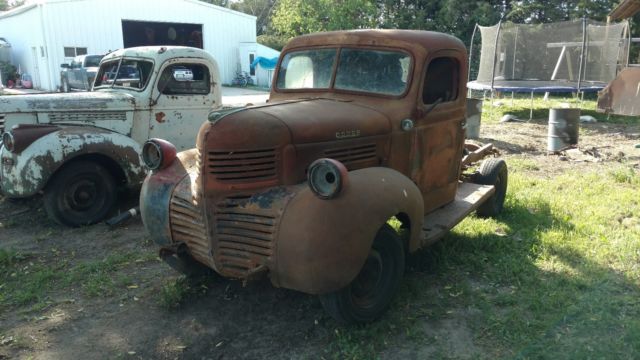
x=65 y=86
x=494 y=172
x=81 y=193
x=370 y=293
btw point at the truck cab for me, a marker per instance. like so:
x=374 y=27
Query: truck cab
x=355 y=162
x=77 y=149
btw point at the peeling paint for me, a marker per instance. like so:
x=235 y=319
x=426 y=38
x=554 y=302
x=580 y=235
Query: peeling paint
x=108 y=121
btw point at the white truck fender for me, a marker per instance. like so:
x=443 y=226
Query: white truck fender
x=27 y=172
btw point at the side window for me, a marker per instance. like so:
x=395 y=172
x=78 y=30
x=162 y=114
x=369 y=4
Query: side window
x=69 y=52
x=441 y=80
x=185 y=79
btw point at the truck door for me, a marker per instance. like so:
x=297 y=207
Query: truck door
x=439 y=124
x=184 y=93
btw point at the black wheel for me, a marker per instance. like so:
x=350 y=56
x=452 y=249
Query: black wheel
x=81 y=193
x=370 y=293
x=65 y=86
x=494 y=172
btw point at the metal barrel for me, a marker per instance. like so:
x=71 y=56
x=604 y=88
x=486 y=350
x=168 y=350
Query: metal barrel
x=563 y=128
x=474 y=114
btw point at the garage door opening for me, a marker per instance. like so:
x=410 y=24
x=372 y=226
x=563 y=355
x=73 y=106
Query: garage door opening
x=145 y=33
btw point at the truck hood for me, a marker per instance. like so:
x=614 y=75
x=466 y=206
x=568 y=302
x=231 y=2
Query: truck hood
x=319 y=120
x=92 y=101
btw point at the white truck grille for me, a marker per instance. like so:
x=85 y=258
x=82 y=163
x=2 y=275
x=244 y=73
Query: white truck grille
x=87 y=116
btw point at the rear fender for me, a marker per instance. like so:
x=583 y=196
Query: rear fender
x=323 y=244
x=26 y=173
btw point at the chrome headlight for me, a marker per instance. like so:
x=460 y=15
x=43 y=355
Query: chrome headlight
x=8 y=141
x=158 y=153
x=327 y=178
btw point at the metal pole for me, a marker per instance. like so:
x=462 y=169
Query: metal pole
x=629 y=44
x=584 y=45
x=471 y=57
x=495 y=55
x=515 y=51
x=493 y=71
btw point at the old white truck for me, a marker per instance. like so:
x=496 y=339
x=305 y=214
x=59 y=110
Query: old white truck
x=79 y=149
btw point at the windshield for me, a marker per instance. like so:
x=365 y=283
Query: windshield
x=308 y=69
x=132 y=74
x=92 y=60
x=362 y=70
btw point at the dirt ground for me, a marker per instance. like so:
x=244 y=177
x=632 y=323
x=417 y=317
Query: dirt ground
x=225 y=320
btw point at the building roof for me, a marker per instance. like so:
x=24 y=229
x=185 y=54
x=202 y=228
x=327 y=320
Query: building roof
x=626 y=9
x=34 y=3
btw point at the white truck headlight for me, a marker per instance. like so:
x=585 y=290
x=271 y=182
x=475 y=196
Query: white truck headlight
x=7 y=141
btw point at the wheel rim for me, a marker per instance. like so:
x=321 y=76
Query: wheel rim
x=83 y=194
x=365 y=289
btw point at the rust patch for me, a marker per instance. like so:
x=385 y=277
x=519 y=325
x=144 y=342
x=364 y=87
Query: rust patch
x=160 y=117
x=621 y=96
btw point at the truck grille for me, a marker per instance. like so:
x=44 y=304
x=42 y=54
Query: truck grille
x=187 y=225
x=1 y=124
x=244 y=236
x=356 y=156
x=243 y=166
x=85 y=116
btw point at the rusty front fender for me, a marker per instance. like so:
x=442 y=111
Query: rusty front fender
x=322 y=244
x=156 y=193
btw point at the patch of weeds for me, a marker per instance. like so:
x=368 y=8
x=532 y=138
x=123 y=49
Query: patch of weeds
x=625 y=175
x=174 y=292
x=98 y=278
x=516 y=164
x=30 y=281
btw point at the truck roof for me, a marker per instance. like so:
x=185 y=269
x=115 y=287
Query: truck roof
x=160 y=53
x=408 y=39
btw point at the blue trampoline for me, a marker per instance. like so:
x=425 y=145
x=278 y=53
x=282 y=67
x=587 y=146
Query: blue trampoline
x=566 y=57
x=538 y=86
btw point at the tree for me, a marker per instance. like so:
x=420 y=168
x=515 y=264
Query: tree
x=261 y=9
x=295 y=17
x=223 y=3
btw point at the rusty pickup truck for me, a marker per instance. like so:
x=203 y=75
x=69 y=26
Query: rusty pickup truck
x=78 y=149
x=357 y=160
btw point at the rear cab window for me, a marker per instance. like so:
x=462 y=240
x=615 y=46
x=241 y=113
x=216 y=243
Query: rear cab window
x=185 y=79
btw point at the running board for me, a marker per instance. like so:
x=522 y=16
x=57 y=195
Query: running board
x=468 y=198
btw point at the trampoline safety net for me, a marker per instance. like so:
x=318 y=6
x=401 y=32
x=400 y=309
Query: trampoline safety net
x=547 y=57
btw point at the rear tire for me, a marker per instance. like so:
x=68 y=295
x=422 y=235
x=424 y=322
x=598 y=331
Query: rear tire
x=368 y=296
x=65 y=86
x=494 y=172
x=81 y=193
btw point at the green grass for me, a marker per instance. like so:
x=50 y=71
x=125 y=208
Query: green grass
x=556 y=276
x=27 y=280
x=521 y=105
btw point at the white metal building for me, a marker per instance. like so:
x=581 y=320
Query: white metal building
x=46 y=33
